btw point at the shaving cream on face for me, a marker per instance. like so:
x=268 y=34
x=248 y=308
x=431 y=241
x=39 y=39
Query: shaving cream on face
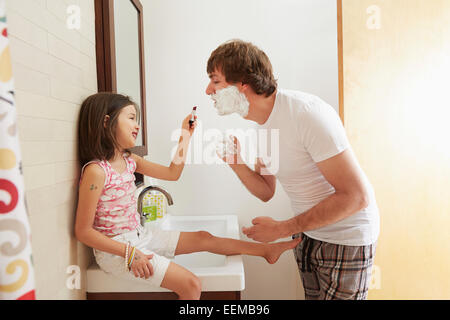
x=229 y=100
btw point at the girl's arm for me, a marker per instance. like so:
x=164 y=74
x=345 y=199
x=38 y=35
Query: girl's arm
x=90 y=190
x=173 y=171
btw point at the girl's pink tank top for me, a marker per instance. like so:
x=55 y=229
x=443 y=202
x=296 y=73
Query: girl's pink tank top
x=116 y=211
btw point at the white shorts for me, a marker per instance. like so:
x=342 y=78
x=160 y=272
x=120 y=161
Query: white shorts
x=160 y=243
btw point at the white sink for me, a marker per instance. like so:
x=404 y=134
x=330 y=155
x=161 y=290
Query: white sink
x=216 y=272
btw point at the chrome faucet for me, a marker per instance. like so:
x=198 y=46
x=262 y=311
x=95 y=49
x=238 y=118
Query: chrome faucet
x=143 y=194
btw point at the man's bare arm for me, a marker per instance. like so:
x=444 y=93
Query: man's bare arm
x=350 y=196
x=261 y=186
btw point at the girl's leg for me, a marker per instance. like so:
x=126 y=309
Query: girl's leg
x=182 y=282
x=203 y=241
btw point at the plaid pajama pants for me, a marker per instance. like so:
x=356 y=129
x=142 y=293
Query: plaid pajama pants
x=331 y=271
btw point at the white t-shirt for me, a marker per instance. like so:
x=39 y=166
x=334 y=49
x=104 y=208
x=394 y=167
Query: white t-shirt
x=310 y=131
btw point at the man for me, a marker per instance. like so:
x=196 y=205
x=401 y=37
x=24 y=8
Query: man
x=335 y=208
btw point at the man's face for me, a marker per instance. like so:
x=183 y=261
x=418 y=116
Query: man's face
x=217 y=82
x=228 y=98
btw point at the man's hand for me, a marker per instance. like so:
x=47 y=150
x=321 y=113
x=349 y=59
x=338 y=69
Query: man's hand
x=265 y=229
x=230 y=151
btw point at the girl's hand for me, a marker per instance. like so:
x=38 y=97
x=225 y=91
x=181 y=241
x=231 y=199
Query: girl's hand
x=141 y=266
x=186 y=128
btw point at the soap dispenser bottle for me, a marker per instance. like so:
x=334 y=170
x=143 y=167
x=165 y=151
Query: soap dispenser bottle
x=152 y=204
x=149 y=208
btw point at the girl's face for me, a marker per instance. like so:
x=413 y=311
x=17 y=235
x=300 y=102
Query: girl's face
x=127 y=127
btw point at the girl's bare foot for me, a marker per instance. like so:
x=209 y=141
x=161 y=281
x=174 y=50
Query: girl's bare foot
x=274 y=250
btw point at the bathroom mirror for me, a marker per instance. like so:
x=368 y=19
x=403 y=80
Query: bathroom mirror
x=128 y=67
x=120 y=57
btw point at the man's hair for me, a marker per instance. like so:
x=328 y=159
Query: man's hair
x=241 y=61
x=95 y=141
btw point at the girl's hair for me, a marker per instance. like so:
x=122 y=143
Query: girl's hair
x=96 y=140
x=241 y=61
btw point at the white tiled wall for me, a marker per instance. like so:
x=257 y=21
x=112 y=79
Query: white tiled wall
x=54 y=70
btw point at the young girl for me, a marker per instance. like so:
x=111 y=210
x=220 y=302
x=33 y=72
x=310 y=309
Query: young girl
x=107 y=219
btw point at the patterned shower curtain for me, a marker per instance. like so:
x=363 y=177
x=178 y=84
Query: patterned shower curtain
x=16 y=269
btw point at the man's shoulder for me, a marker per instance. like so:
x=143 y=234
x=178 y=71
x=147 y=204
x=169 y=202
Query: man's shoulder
x=295 y=102
x=301 y=102
x=295 y=93
x=296 y=98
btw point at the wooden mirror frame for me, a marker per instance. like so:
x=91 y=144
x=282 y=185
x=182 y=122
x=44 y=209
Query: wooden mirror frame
x=106 y=62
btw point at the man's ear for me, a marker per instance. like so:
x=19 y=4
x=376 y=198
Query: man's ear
x=243 y=87
x=105 y=121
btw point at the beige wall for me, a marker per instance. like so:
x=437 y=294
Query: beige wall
x=396 y=113
x=54 y=69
